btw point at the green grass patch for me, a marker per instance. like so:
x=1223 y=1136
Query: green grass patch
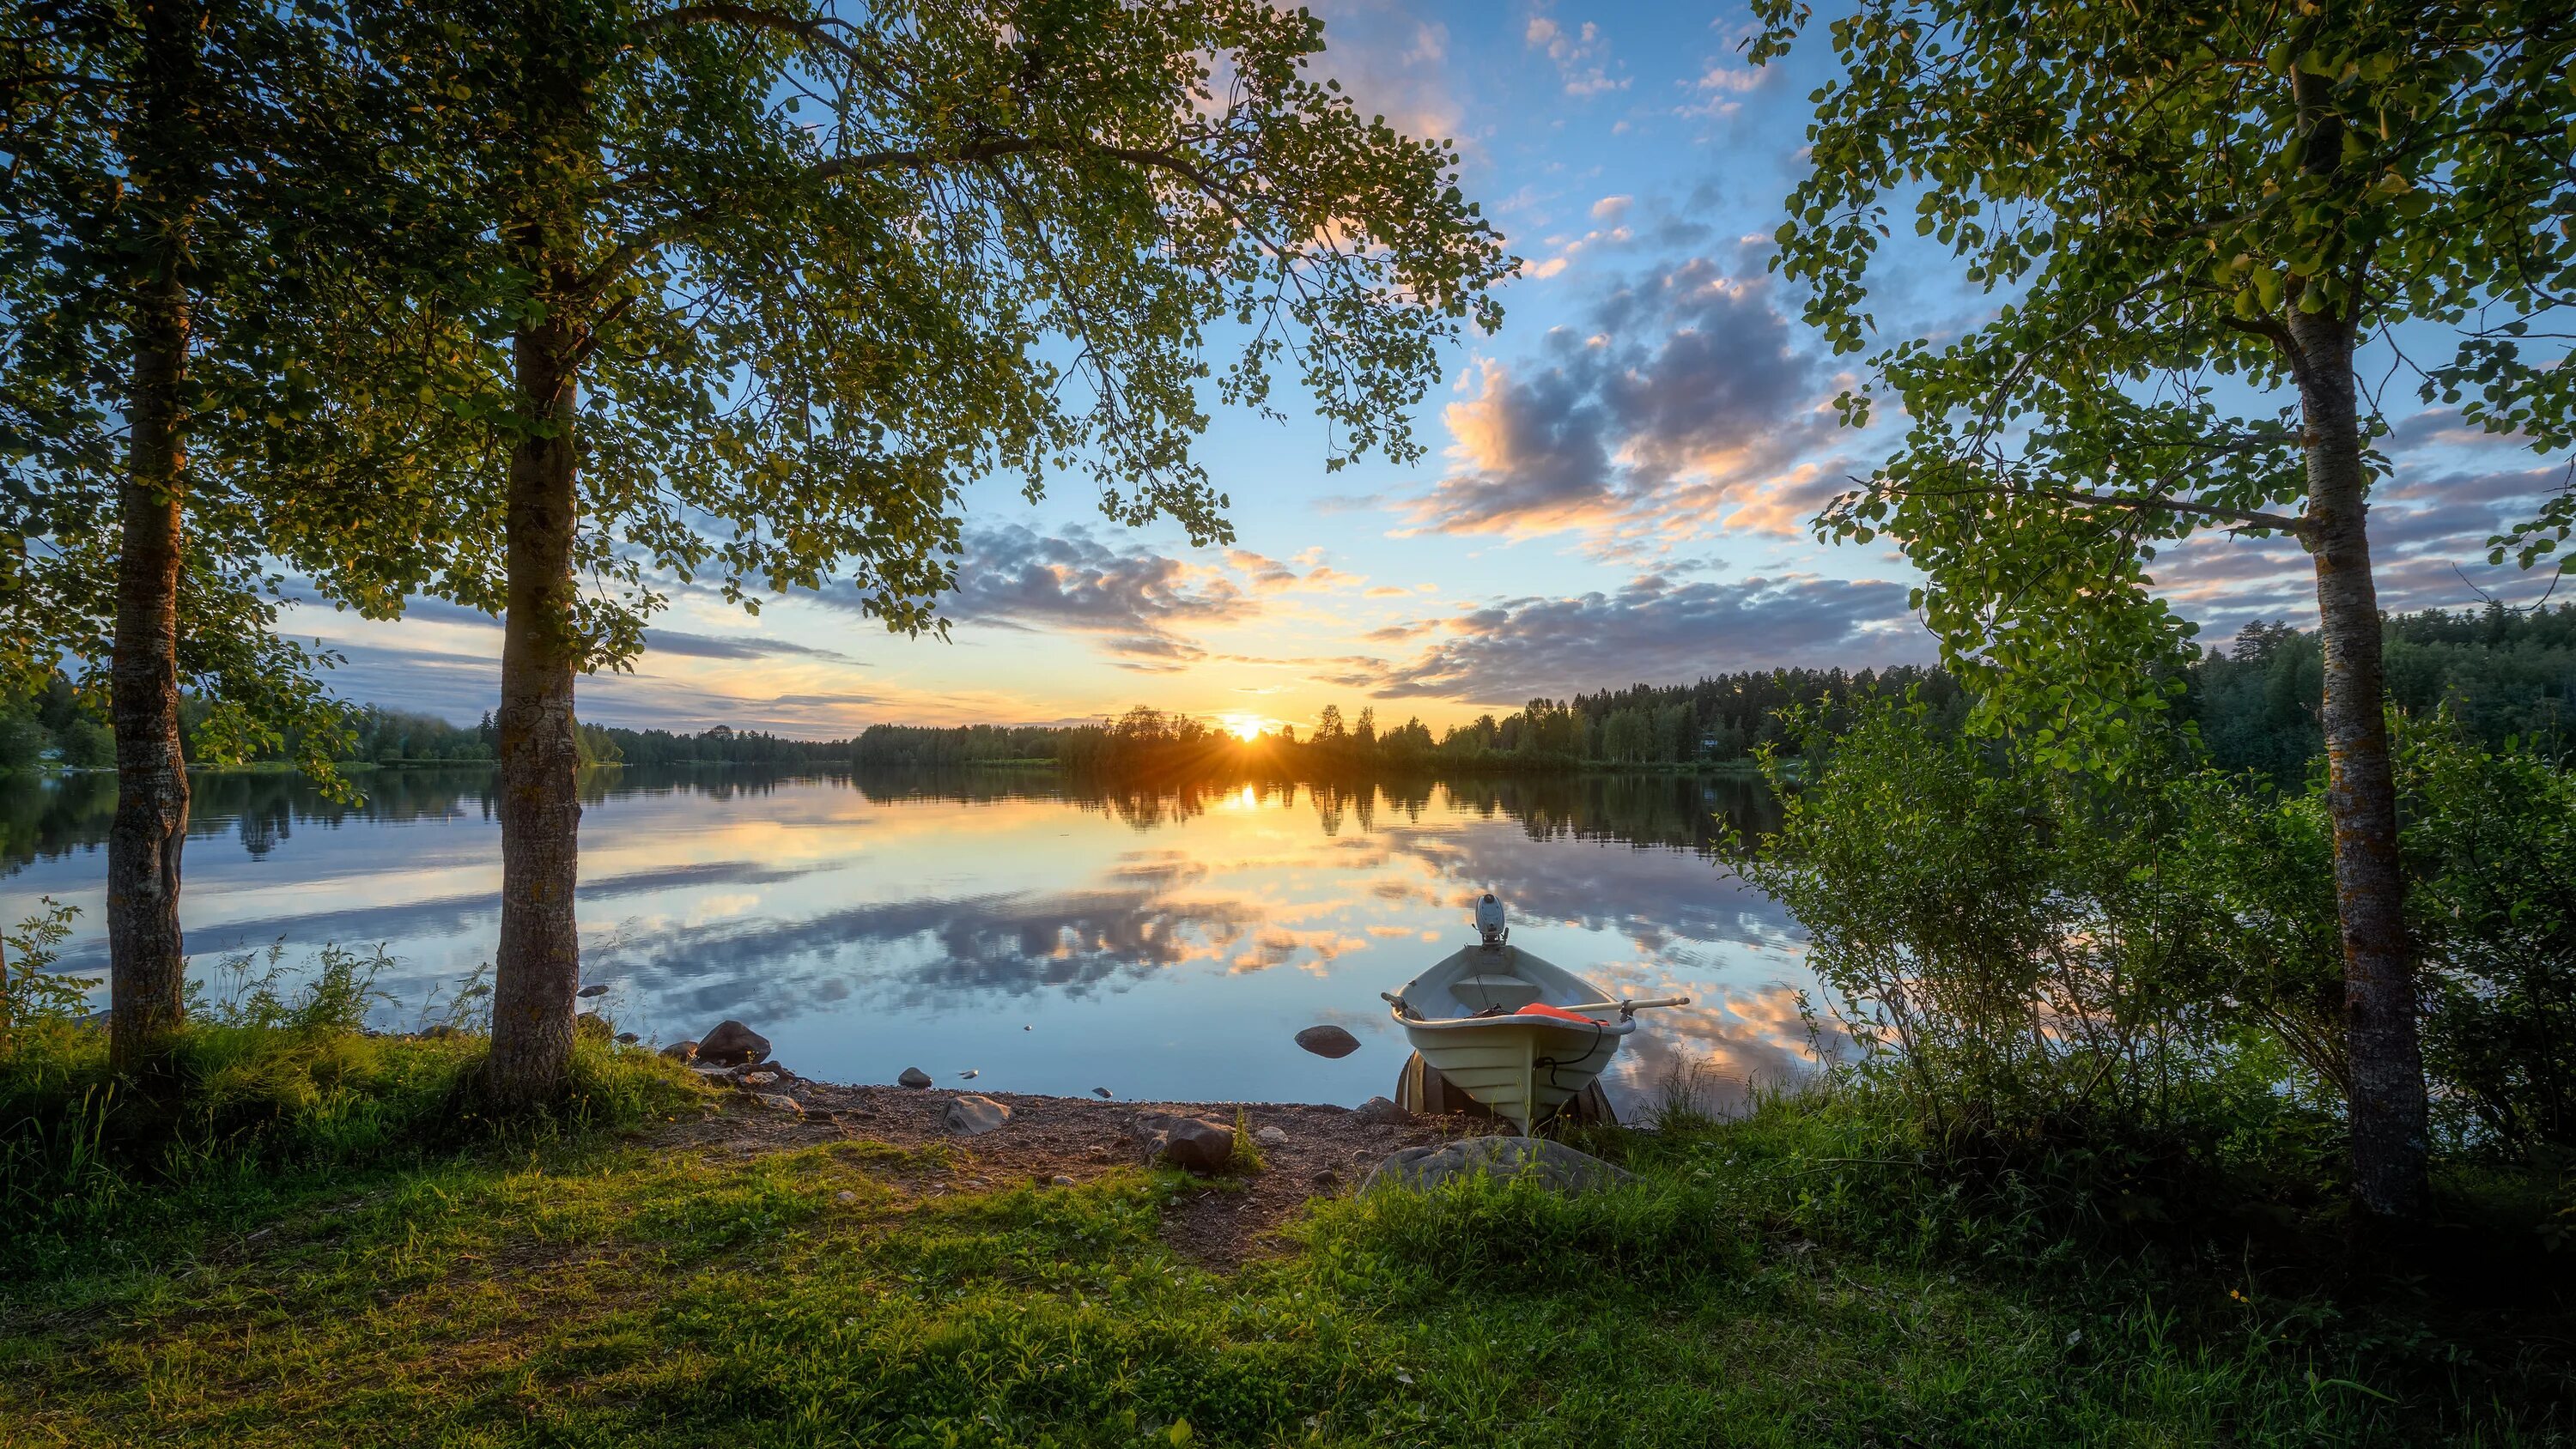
x=1759 y=1284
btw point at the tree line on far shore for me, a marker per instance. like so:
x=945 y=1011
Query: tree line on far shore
x=2505 y=674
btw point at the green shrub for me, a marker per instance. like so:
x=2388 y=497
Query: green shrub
x=2041 y=963
x=272 y=1081
x=2491 y=839
x=36 y=999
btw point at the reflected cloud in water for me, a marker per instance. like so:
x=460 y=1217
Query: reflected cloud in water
x=1164 y=943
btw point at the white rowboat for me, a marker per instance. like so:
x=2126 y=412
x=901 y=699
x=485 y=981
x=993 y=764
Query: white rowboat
x=1470 y=1017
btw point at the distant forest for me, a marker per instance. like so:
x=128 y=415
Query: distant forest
x=2505 y=673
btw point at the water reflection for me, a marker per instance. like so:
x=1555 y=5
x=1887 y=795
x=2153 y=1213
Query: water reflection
x=1163 y=942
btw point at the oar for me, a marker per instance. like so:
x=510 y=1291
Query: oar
x=1629 y=1006
x=1624 y=1007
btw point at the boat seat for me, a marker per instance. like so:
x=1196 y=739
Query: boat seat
x=1511 y=993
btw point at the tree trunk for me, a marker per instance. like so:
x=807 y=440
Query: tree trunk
x=2387 y=1062
x=147 y=962
x=539 y=966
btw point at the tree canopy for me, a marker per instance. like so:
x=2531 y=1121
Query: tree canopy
x=2154 y=194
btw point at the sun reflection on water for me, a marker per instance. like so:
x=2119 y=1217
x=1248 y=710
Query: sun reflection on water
x=1165 y=944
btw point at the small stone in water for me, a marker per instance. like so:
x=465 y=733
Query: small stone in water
x=593 y=991
x=1100 y=1091
x=914 y=1077
x=970 y=1074
x=1328 y=1041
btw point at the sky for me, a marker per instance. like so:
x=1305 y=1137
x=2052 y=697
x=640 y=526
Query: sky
x=1617 y=486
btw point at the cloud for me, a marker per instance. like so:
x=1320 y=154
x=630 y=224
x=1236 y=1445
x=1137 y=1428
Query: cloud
x=2429 y=527
x=1138 y=601
x=1390 y=62
x=1582 y=57
x=1652 y=629
x=1715 y=94
x=737 y=646
x=1306 y=572
x=1673 y=412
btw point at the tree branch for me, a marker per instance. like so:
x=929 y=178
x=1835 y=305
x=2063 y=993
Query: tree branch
x=814 y=32
x=2241 y=517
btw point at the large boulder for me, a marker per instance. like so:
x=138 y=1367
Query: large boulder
x=972 y=1116
x=915 y=1078
x=1551 y=1165
x=1381 y=1112
x=1328 y=1041
x=1193 y=1144
x=681 y=1051
x=732 y=1044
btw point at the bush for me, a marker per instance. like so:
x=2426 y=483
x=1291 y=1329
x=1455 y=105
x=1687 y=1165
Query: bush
x=272 y=1080
x=22 y=743
x=34 y=997
x=2491 y=839
x=87 y=744
x=1999 y=938
x=2034 y=959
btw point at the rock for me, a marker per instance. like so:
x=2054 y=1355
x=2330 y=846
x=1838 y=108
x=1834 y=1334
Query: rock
x=972 y=1116
x=712 y=1075
x=681 y=1051
x=1327 y=1178
x=627 y=1038
x=845 y=1196
x=732 y=1043
x=1100 y=1092
x=969 y=1074
x=757 y=1079
x=1381 y=1112
x=1060 y=1180
x=1328 y=1041
x=1271 y=1137
x=778 y=1102
x=592 y=991
x=1192 y=1144
x=1551 y=1165
x=914 y=1077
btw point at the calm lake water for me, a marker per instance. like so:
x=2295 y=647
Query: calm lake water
x=1160 y=943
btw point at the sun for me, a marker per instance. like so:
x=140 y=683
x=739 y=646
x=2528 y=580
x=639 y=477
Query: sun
x=1244 y=727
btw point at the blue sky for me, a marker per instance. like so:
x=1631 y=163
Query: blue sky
x=1618 y=481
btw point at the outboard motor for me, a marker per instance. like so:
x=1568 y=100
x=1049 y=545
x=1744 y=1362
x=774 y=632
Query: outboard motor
x=1489 y=922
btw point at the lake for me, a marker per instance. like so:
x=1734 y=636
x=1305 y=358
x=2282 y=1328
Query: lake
x=1163 y=943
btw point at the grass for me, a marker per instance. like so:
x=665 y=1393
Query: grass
x=1765 y=1282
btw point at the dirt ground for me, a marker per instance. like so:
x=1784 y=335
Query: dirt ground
x=1328 y=1149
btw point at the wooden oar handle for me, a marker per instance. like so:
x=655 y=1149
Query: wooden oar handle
x=1631 y=1005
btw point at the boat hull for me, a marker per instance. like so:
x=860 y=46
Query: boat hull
x=1524 y=1071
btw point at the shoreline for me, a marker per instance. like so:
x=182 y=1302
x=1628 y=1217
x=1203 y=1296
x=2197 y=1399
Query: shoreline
x=1318 y=1150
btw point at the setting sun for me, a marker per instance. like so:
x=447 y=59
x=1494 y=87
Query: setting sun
x=1245 y=727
